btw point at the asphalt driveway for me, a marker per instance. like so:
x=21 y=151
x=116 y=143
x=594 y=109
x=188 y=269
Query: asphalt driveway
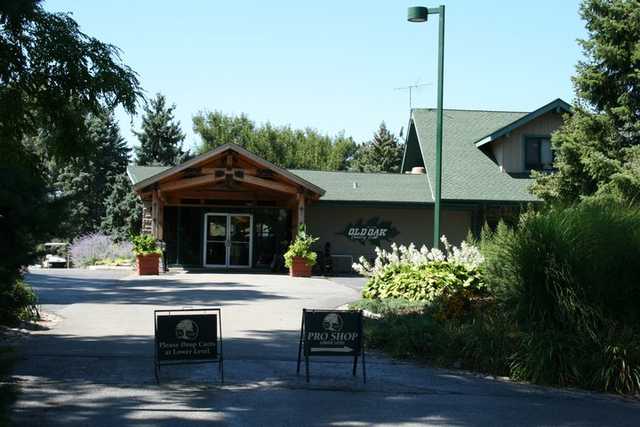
x=95 y=366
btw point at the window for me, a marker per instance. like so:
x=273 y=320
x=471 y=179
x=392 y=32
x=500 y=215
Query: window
x=537 y=153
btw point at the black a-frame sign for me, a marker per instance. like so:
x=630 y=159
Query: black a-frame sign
x=332 y=333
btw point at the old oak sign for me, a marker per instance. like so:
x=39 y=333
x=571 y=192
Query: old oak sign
x=331 y=333
x=188 y=336
x=374 y=231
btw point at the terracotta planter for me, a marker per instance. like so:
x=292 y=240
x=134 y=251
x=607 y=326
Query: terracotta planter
x=299 y=267
x=148 y=265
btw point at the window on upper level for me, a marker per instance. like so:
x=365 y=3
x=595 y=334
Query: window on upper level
x=537 y=153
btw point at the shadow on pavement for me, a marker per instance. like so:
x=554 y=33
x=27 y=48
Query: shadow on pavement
x=73 y=290
x=109 y=381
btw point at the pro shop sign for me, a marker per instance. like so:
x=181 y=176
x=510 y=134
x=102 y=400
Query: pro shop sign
x=331 y=333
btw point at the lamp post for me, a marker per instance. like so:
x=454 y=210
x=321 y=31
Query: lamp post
x=421 y=14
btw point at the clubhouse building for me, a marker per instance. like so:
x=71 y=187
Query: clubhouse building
x=229 y=208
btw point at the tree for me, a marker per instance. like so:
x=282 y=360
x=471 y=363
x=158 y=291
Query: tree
x=283 y=146
x=85 y=182
x=597 y=151
x=123 y=215
x=382 y=154
x=51 y=77
x=160 y=136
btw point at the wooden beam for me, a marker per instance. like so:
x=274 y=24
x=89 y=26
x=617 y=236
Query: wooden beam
x=228 y=195
x=246 y=171
x=265 y=183
x=191 y=182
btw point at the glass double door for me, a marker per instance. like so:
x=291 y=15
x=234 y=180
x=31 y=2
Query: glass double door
x=227 y=240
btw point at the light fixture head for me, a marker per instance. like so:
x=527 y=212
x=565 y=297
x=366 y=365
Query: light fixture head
x=417 y=14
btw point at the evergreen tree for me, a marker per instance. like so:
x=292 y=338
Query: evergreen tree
x=597 y=151
x=382 y=154
x=85 y=183
x=160 y=137
x=123 y=213
x=51 y=76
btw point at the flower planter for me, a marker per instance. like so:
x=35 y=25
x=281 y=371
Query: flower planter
x=148 y=265
x=299 y=267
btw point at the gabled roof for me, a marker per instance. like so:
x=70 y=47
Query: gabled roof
x=360 y=187
x=139 y=173
x=467 y=172
x=145 y=176
x=557 y=105
x=341 y=186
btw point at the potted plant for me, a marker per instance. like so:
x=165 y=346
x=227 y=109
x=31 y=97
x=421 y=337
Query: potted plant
x=147 y=254
x=299 y=258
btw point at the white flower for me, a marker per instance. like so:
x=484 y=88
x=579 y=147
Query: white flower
x=466 y=255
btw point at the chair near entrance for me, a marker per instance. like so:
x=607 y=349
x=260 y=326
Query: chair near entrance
x=299 y=258
x=148 y=253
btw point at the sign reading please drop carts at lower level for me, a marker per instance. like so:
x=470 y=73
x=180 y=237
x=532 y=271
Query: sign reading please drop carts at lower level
x=187 y=336
x=331 y=333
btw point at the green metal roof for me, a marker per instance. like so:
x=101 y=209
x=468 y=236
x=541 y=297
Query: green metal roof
x=467 y=172
x=369 y=187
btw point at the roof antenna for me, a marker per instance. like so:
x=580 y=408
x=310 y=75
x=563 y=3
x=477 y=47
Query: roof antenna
x=410 y=89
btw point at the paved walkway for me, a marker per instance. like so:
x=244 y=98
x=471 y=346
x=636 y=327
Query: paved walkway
x=95 y=367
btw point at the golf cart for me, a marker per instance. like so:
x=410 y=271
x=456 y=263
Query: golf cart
x=57 y=255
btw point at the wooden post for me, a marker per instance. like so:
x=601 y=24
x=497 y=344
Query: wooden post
x=294 y=218
x=301 y=209
x=155 y=203
x=160 y=219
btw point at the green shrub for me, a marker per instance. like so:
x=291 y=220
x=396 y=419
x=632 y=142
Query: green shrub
x=301 y=247
x=569 y=278
x=18 y=302
x=616 y=363
x=145 y=244
x=481 y=341
x=429 y=275
x=436 y=280
x=569 y=267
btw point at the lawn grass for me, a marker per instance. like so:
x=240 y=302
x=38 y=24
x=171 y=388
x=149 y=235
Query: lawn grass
x=8 y=390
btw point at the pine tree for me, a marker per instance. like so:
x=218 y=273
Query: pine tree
x=51 y=76
x=123 y=213
x=160 y=137
x=597 y=151
x=86 y=182
x=382 y=154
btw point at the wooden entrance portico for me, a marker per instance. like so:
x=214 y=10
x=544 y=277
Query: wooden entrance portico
x=226 y=176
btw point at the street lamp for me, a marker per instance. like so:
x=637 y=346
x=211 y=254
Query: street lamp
x=421 y=14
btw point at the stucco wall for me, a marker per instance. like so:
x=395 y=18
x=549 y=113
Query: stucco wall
x=415 y=225
x=509 y=151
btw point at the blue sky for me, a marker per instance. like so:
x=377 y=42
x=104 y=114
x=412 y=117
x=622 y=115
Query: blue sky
x=333 y=65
